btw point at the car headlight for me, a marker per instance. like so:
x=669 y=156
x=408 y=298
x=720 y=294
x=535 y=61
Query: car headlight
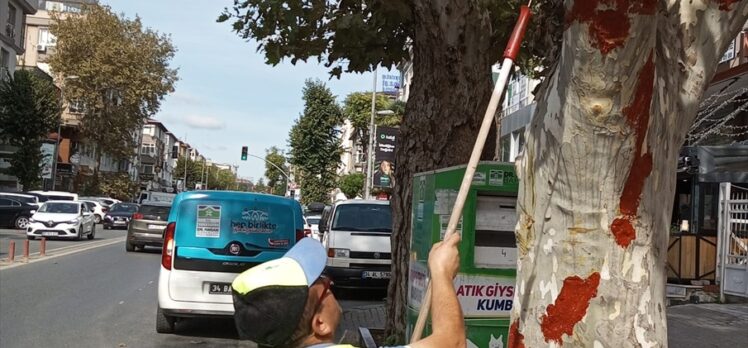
x=32 y=220
x=340 y=253
x=107 y=217
x=74 y=221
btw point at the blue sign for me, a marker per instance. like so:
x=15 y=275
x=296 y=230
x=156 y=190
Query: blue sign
x=390 y=83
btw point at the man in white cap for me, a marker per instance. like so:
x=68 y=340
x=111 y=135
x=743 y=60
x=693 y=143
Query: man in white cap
x=288 y=303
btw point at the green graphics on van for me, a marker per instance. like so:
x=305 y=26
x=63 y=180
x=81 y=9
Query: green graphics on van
x=208 y=221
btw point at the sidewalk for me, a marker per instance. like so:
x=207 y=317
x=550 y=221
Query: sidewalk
x=708 y=325
x=690 y=325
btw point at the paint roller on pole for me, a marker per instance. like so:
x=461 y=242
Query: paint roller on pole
x=510 y=54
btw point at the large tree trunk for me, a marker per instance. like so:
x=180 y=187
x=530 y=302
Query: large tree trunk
x=452 y=73
x=598 y=172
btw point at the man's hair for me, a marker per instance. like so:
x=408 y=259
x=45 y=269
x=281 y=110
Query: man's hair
x=304 y=328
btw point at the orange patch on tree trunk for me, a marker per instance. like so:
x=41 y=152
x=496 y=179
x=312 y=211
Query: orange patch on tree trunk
x=623 y=231
x=725 y=5
x=569 y=308
x=516 y=339
x=608 y=24
x=637 y=117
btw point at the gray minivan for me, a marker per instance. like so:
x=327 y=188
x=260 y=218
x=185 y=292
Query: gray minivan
x=146 y=228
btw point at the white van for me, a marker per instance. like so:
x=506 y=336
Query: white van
x=57 y=195
x=356 y=234
x=155 y=197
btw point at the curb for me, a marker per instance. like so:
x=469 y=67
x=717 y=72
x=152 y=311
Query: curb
x=54 y=253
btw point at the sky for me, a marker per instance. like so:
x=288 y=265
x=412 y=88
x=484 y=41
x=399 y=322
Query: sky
x=226 y=96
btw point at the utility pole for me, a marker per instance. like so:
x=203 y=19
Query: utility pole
x=370 y=150
x=207 y=177
x=202 y=175
x=186 y=157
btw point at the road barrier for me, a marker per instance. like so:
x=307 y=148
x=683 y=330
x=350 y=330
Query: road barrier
x=43 y=247
x=12 y=251
x=26 y=250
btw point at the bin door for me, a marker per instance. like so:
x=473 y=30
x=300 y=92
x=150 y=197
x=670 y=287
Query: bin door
x=495 y=244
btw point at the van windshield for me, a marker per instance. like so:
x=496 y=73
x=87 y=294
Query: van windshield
x=60 y=208
x=124 y=208
x=61 y=198
x=363 y=217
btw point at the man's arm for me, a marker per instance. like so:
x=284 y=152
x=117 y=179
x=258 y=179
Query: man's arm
x=447 y=319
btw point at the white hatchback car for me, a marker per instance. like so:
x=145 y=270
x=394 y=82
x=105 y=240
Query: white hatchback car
x=98 y=210
x=61 y=219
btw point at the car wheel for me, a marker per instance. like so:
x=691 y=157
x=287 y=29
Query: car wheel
x=80 y=233
x=129 y=247
x=97 y=219
x=22 y=222
x=164 y=323
x=92 y=234
x=106 y=227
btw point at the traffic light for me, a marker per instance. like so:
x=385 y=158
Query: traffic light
x=244 y=153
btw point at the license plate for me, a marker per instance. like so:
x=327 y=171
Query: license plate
x=120 y=222
x=376 y=274
x=49 y=233
x=156 y=227
x=219 y=288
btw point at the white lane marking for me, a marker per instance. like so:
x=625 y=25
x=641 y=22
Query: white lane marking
x=66 y=251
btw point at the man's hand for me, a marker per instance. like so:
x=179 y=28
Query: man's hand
x=444 y=258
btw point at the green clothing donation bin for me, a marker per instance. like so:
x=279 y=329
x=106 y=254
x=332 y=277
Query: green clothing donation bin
x=488 y=253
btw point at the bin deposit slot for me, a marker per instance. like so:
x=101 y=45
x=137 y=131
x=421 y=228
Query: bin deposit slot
x=495 y=244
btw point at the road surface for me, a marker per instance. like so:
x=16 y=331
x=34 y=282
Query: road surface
x=101 y=297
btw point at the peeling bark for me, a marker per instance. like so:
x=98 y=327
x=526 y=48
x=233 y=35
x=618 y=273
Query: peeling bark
x=598 y=171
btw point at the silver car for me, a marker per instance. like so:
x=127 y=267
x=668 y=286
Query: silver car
x=147 y=226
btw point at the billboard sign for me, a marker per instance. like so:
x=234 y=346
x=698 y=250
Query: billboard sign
x=390 y=83
x=384 y=156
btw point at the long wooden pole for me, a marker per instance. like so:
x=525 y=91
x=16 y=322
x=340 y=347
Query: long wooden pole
x=510 y=54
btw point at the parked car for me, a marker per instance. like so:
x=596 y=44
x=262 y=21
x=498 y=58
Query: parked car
x=104 y=201
x=61 y=219
x=28 y=199
x=97 y=209
x=356 y=234
x=119 y=215
x=14 y=213
x=57 y=195
x=39 y=197
x=211 y=237
x=147 y=226
x=312 y=222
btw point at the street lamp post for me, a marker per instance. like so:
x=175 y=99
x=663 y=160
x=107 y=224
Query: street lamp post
x=285 y=176
x=59 y=129
x=369 y=151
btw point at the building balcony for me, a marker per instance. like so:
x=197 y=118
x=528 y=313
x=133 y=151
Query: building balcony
x=72 y=119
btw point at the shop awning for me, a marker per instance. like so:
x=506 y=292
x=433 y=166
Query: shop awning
x=727 y=163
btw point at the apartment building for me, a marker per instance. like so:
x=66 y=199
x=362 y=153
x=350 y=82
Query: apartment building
x=156 y=165
x=12 y=22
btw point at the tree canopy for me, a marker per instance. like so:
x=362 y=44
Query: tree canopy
x=30 y=111
x=315 y=144
x=356 y=36
x=352 y=185
x=276 y=178
x=122 y=74
x=357 y=109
